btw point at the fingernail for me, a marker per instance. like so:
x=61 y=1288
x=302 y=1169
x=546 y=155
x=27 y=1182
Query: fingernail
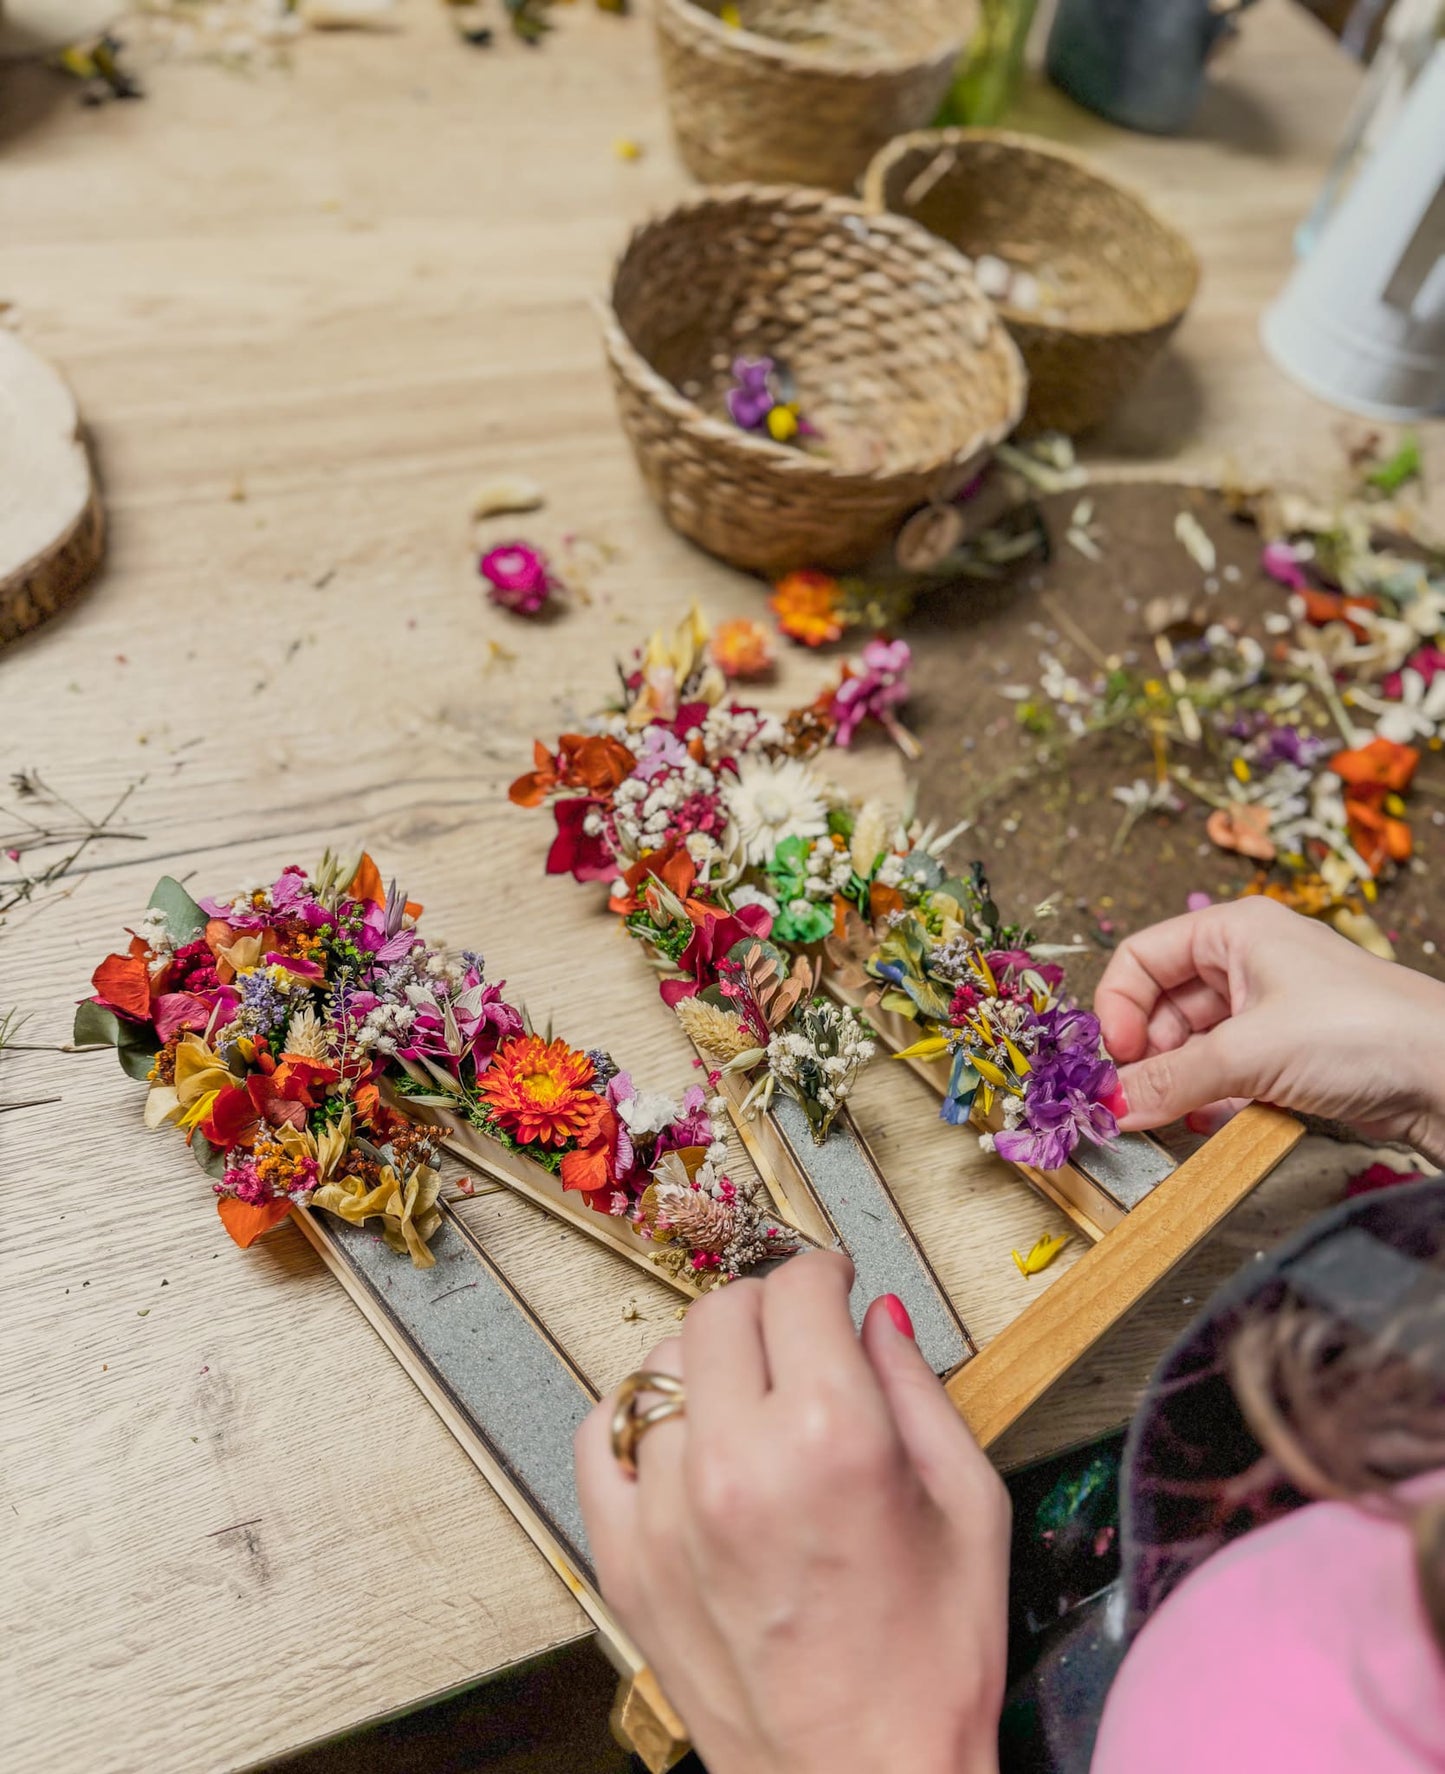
x=898 y=1312
x=1116 y=1102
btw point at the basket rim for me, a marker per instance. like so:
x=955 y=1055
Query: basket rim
x=891 y=152
x=628 y=360
x=708 y=25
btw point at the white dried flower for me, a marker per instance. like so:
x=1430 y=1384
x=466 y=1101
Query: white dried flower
x=772 y=800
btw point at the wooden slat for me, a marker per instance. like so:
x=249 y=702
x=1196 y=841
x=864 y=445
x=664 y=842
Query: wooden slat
x=994 y=1390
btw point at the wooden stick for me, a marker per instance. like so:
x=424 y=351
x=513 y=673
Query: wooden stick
x=995 y=1389
x=471 y=1147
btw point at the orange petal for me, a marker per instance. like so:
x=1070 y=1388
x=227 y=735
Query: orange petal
x=125 y=985
x=366 y=882
x=245 y=1222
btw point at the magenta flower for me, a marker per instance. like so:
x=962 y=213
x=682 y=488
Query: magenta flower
x=752 y=400
x=872 y=688
x=518 y=577
x=1428 y=660
x=473 y=1024
x=1282 y=564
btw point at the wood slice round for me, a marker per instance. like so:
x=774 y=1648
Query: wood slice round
x=52 y=528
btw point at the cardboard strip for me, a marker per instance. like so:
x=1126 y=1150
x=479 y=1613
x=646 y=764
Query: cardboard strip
x=506 y=1388
x=844 y=1179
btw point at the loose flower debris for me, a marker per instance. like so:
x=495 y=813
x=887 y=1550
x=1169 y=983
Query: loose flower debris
x=1299 y=751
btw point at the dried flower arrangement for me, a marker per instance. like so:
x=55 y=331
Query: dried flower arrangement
x=317 y=1051
x=738 y=866
x=1024 y=1061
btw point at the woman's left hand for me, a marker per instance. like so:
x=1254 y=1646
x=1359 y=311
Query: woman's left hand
x=814 y=1558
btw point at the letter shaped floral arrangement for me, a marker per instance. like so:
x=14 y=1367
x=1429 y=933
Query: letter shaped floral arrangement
x=752 y=881
x=304 y=1036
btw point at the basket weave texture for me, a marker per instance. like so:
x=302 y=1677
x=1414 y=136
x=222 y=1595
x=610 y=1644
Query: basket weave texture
x=899 y=362
x=808 y=90
x=1127 y=275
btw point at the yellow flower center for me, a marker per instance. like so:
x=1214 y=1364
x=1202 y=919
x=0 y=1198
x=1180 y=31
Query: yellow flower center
x=544 y=1088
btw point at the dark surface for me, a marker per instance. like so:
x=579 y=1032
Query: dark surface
x=970 y=642
x=544 y=1717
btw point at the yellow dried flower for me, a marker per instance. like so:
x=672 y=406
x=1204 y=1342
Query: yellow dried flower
x=1042 y=1254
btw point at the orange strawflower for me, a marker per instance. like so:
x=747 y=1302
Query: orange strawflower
x=1382 y=766
x=595 y=763
x=742 y=649
x=539 y=1092
x=807 y=605
x=1377 y=836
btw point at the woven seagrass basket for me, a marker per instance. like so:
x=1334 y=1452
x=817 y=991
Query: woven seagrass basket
x=1115 y=279
x=899 y=362
x=806 y=91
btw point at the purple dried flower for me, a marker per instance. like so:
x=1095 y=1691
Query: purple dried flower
x=1061 y=1106
x=753 y=399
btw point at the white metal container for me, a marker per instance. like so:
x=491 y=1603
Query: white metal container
x=1361 y=322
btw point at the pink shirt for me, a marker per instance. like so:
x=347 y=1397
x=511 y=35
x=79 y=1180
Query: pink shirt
x=1301 y=1648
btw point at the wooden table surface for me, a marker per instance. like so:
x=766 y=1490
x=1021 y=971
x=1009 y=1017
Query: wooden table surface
x=306 y=311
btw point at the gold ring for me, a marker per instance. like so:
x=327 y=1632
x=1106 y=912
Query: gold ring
x=630 y=1423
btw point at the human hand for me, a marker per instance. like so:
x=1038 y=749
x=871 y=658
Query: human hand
x=1248 y=1000
x=814 y=1559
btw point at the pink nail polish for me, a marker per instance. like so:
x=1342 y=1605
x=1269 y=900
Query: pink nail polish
x=1116 y=1102
x=898 y=1312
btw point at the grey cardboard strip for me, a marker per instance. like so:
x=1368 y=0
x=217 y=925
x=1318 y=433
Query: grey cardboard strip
x=497 y=1362
x=886 y=1256
x=1127 y=1170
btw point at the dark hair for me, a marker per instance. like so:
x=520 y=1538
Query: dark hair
x=1351 y=1415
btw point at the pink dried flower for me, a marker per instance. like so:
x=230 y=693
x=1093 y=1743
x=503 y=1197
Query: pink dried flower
x=1282 y=564
x=518 y=577
x=872 y=688
x=1428 y=660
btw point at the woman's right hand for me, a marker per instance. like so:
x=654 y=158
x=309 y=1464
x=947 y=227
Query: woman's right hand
x=1249 y=1001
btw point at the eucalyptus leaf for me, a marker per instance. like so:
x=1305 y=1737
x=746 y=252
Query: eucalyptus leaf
x=94 y=1023
x=136 y=1060
x=185 y=920
x=211 y=1158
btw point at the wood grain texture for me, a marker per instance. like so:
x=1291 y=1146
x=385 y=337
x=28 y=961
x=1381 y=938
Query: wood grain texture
x=52 y=529
x=1045 y=1341
x=305 y=313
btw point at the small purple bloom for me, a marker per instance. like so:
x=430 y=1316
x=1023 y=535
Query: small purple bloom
x=479 y=1015
x=661 y=750
x=1288 y=745
x=753 y=399
x=1061 y=1106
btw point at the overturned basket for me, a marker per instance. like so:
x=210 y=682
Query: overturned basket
x=1111 y=279
x=899 y=361
x=804 y=91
